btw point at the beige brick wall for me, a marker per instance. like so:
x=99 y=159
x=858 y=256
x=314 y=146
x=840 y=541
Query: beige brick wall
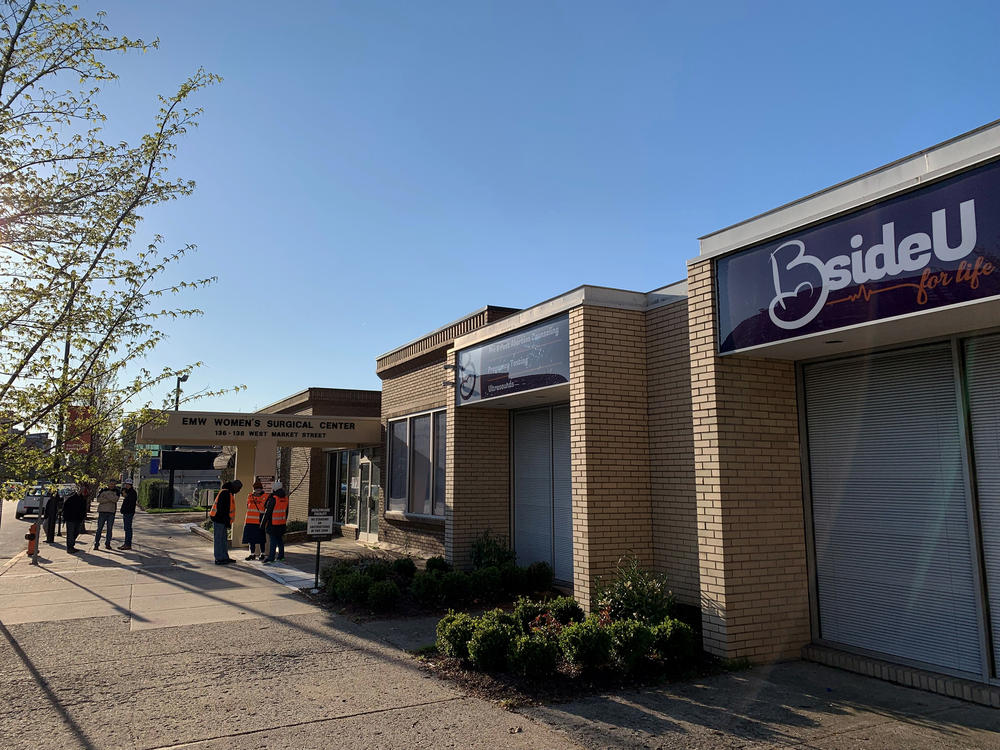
x=754 y=583
x=609 y=443
x=477 y=495
x=671 y=450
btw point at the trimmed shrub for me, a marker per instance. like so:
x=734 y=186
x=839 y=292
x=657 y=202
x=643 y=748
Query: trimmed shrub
x=438 y=564
x=586 y=644
x=513 y=579
x=534 y=657
x=635 y=594
x=490 y=642
x=499 y=617
x=404 y=567
x=154 y=493
x=491 y=551
x=539 y=577
x=377 y=570
x=426 y=588
x=565 y=609
x=674 y=643
x=454 y=631
x=486 y=584
x=293 y=526
x=455 y=588
x=631 y=643
x=525 y=612
x=383 y=595
x=352 y=587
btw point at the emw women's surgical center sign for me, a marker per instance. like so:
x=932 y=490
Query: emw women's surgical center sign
x=215 y=428
x=930 y=248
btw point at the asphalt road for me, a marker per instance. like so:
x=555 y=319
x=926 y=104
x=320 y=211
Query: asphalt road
x=12 y=530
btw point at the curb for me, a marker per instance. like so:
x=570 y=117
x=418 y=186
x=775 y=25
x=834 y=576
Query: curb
x=11 y=561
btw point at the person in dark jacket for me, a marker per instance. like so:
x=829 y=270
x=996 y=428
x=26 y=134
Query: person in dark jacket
x=51 y=514
x=223 y=514
x=129 y=499
x=274 y=521
x=74 y=511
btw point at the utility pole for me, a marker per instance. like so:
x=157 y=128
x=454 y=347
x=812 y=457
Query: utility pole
x=177 y=406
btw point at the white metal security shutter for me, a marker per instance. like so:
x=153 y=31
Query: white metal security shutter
x=532 y=487
x=562 y=496
x=893 y=552
x=982 y=364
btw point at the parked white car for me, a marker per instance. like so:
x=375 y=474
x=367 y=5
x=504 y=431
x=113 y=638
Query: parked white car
x=33 y=499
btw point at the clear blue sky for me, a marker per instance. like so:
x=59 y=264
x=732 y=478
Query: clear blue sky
x=369 y=171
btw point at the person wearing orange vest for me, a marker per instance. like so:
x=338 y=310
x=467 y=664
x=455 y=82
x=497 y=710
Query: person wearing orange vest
x=253 y=534
x=223 y=514
x=274 y=521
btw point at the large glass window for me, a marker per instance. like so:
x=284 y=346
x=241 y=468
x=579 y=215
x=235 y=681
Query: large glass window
x=417 y=455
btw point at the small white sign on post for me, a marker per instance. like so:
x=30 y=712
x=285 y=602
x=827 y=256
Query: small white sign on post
x=320 y=523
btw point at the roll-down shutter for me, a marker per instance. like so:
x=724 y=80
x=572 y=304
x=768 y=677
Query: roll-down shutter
x=532 y=487
x=894 y=562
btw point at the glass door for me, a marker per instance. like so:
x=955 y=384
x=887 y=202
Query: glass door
x=353 y=487
x=364 y=512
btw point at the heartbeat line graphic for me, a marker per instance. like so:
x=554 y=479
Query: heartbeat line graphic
x=866 y=293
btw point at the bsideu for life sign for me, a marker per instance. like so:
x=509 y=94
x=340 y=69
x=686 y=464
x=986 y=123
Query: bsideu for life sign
x=930 y=248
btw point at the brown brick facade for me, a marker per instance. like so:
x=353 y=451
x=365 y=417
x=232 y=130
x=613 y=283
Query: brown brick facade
x=752 y=553
x=671 y=450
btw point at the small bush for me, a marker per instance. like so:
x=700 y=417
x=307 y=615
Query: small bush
x=674 y=643
x=455 y=587
x=352 y=587
x=565 y=609
x=586 y=644
x=486 y=584
x=208 y=524
x=513 y=579
x=383 y=595
x=404 y=567
x=534 y=657
x=292 y=526
x=635 y=594
x=545 y=626
x=489 y=644
x=491 y=551
x=525 y=612
x=154 y=493
x=499 y=617
x=377 y=570
x=631 y=643
x=454 y=631
x=438 y=564
x=426 y=588
x=539 y=577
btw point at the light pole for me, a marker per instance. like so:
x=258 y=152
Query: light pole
x=177 y=406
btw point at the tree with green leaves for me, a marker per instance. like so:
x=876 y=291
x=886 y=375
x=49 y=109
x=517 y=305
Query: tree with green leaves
x=82 y=305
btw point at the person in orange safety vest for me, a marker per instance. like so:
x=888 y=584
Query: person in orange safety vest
x=223 y=514
x=253 y=534
x=274 y=521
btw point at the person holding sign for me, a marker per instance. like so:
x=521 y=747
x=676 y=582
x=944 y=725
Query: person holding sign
x=275 y=518
x=253 y=534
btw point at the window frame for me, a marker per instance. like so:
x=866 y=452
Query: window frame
x=407 y=480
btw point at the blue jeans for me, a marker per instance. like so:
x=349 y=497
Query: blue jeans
x=277 y=543
x=127 y=519
x=221 y=541
x=104 y=518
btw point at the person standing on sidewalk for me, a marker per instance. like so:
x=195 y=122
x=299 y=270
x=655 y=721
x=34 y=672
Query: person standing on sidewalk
x=129 y=499
x=51 y=514
x=275 y=518
x=74 y=510
x=223 y=514
x=253 y=534
x=107 y=506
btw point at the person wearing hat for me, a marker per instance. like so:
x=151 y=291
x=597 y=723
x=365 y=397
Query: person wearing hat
x=223 y=514
x=129 y=499
x=253 y=534
x=274 y=521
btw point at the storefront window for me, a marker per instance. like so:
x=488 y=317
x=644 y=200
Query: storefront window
x=353 y=487
x=417 y=464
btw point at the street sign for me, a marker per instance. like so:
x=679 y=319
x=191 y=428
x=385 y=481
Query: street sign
x=267 y=480
x=320 y=524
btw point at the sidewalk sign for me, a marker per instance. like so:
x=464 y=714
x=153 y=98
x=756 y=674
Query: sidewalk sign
x=319 y=527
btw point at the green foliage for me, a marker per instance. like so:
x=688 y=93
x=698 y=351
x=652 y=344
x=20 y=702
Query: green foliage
x=455 y=587
x=513 y=579
x=525 y=612
x=586 y=645
x=437 y=564
x=491 y=551
x=631 y=643
x=565 y=610
x=486 y=584
x=454 y=631
x=539 y=577
x=404 y=567
x=293 y=526
x=499 y=617
x=383 y=595
x=208 y=524
x=328 y=572
x=490 y=643
x=353 y=587
x=377 y=570
x=635 y=593
x=674 y=642
x=535 y=657
x=154 y=493
x=426 y=588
